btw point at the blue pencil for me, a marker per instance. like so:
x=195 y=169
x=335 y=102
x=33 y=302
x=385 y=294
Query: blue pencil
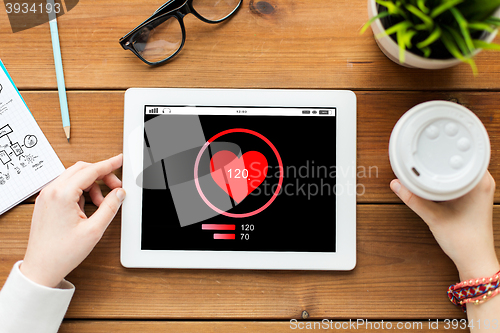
x=63 y=101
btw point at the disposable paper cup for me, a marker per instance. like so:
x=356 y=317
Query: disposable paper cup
x=439 y=150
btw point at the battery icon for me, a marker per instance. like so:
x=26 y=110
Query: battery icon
x=306 y=112
x=324 y=112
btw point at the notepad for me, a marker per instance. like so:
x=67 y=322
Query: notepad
x=27 y=160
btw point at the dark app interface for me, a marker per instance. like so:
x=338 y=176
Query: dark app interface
x=239 y=183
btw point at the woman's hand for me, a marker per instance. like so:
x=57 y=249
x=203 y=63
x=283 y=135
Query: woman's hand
x=62 y=236
x=463 y=227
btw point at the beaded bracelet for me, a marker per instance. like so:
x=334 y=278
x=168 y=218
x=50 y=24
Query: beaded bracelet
x=483 y=298
x=474 y=291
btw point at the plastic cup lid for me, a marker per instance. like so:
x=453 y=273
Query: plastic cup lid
x=439 y=150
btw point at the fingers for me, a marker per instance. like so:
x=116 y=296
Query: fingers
x=486 y=185
x=112 y=181
x=95 y=194
x=69 y=172
x=81 y=203
x=424 y=208
x=82 y=176
x=86 y=176
x=107 y=209
x=77 y=167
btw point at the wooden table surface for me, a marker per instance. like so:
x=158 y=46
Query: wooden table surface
x=401 y=273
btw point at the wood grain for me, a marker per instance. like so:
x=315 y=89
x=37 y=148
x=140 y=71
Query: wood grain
x=75 y=326
x=378 y=112
x=97 y=129
x=401 y=273
x=292 y=44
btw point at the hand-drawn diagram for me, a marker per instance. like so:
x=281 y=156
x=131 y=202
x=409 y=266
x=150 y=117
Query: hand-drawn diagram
x=13 y=156
x=4 y=106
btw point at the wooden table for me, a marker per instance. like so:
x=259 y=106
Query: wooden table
x=401 y=275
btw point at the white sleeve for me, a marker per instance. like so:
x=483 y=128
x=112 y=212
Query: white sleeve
x=26 y=306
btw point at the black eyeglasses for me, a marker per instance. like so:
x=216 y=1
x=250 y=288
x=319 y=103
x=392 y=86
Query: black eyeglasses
x=162 y=36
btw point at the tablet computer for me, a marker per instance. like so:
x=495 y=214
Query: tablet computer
x=239 y=179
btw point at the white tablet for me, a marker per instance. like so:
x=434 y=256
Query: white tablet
x=239 y=179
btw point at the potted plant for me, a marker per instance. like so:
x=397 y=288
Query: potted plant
x=434 y=34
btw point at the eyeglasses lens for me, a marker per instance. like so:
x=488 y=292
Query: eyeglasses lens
x=158 y=40
x=215 y=10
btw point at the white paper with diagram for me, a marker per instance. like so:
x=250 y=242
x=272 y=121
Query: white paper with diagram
x=27 y=160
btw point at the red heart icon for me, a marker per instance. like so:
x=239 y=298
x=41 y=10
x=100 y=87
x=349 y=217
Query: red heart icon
x=238 y=177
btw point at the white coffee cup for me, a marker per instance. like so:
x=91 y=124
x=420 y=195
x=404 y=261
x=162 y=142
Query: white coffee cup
x=439 y=150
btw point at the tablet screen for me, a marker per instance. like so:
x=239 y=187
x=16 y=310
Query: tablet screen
x=239 y=179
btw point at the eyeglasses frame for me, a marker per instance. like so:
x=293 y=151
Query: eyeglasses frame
x=164 y=13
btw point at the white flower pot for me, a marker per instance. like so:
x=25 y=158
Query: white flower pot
x=391 y=49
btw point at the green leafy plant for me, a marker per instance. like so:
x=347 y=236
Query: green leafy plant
x=427 y=27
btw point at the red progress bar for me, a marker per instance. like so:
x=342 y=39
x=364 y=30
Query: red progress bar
x=224 y=236
x=218 y=227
